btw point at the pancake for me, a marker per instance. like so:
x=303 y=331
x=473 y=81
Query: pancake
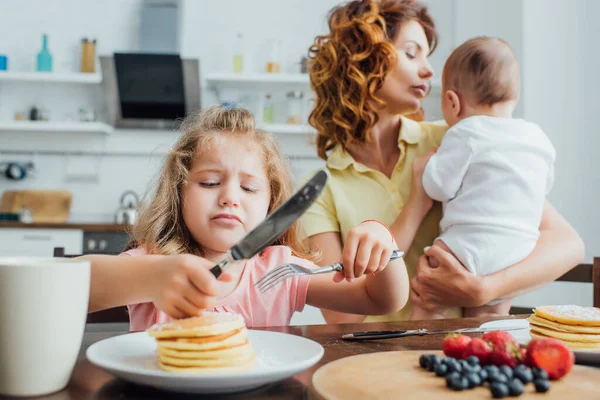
x=211 y=342
x=210 y=363
x=557 y=326
x=224 y=340
x=570 y=315
x=570 y=344
x=567 y=336
x=207 y=324
x=224 y=353
x=172 y=368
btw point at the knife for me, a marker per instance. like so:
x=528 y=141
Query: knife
x=419 y=332
x=275 y=224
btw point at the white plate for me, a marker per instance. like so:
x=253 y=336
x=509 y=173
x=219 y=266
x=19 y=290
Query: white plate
x=132 y=357
x=523 y=337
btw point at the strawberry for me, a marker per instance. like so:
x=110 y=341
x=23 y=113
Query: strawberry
x=551 y=355
x=505 y=353
x=497 y=337
x=454 y=345
x=479 y=348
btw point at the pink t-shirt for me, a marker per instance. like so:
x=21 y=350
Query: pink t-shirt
x=272 y=308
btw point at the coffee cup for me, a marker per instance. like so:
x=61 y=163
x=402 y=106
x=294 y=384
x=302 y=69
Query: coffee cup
x=43 y=309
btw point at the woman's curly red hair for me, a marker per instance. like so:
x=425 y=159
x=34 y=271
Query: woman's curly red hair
x=348 y=66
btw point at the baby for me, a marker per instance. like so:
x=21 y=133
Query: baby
x=492 y=172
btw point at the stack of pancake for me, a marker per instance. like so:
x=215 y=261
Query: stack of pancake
x=578 y=327
x=212 y=342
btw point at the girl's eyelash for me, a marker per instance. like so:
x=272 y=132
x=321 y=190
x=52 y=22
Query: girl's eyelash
x=409 y=55
x=209 y=184
x=249 y=189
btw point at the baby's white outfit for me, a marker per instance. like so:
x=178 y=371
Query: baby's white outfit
x=492 y=176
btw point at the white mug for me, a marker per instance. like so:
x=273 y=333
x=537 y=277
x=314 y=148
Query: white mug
x=43 y=309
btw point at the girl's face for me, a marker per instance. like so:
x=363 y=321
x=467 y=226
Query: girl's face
x=406 y=85
x=227 y=194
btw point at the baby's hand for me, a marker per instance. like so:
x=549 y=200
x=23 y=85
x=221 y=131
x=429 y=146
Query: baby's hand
x=367 y=249
x=183 y=285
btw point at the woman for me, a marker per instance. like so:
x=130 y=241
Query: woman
x=368 y=73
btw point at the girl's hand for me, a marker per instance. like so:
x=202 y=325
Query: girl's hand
x=417 y=192
x=367 y=249
x=183 y=285
x=449 y=284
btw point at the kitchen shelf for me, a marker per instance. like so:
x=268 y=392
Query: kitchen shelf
x=51 y=77
x=220 y=78
x=294 y=129
x=49 y=126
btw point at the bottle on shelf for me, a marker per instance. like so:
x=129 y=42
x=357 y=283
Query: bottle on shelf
x=238 y=54
x=273 y=61
x=44 y=58
x=268 y=111
x=88 y=55
x=294 y=107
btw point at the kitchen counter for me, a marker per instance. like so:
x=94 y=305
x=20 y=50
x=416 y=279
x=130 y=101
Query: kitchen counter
x=88 y=227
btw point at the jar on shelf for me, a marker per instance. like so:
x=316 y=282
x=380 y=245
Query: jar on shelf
x=294 y=100
x=273 y=61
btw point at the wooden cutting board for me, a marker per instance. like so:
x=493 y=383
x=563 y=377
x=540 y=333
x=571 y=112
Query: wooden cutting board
x=397 y=375
x=46 y=206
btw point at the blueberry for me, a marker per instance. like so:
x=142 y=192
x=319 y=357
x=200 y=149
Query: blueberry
x=473 y=360
x=454 y=366
x=473 y=378
x=506 y=371
x=515 y=387
x=541 y=385
x=524 y=375
x=463 y=363
x=499 y=390
x=424 y=360
x=441 y=369
x=460 y=383
x=448 y=360
x=491 y=368
x=475 y=368
x=539 y=373
x=483 y=374
x=434 y=361
x=520 y=367
x=497 y=377
x=451 y=376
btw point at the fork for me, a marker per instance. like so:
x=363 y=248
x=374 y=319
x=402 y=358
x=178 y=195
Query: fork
x=288 y=270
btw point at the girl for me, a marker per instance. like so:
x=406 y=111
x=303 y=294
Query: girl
x=369 y=72
x=221 y=179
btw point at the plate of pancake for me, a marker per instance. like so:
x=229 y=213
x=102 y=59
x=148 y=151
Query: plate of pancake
x=211 y=353
x=578 y=327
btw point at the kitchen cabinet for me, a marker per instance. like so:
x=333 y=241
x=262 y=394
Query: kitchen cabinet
x=39 y=242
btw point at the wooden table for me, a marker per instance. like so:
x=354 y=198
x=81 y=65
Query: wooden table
x=90 y=382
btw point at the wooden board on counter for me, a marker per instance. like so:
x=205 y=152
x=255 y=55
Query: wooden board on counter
x=397 y=375
x=50 y=206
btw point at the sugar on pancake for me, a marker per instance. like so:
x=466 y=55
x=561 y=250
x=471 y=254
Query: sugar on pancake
x=211 y=342
x=578 y=327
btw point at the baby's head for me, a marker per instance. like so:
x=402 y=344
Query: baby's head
x=481 y=77
x=219 y=181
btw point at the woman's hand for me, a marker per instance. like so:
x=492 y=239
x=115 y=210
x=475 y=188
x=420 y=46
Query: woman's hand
x=449 y=284
x=417 y=192
x=183 y=286
x=367 y=250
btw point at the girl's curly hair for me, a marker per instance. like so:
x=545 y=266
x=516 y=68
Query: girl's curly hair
x=348 y=65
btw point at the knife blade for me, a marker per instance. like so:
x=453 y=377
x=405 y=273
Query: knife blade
x=275 y=224
x=373 y=335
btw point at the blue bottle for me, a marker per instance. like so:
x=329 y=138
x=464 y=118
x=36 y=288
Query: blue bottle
x=44 y=58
